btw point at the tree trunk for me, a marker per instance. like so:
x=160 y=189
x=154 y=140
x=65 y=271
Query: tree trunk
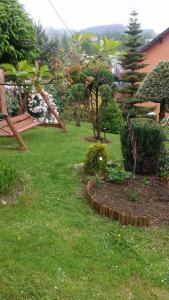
x=77 y=113
x=97 y=126
x=162 y=110
x=22 y=107
x=94 y=131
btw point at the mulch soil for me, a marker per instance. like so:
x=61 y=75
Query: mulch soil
x=152 y=198
x=91 y=139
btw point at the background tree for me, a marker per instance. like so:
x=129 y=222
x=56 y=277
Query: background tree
x=94 y=71
x=133 y=59
x=155 y=87
x=43 y=41
x=64 y=41
x=78 y=93
x=95 y=77
x=18 y=38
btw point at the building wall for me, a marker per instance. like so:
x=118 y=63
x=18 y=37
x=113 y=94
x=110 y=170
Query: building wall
x=151 y=104
x=157 y=52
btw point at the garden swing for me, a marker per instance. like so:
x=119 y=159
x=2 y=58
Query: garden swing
x=13 y=126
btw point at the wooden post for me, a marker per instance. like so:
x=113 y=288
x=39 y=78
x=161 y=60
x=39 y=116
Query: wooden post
x=16 y=133
x=52 y=110
x=3 y=109
x=3 y=106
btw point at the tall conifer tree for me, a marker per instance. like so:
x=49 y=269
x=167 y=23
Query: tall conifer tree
x=133 y=59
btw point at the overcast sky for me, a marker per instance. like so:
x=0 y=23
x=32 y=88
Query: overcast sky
x=80 y=14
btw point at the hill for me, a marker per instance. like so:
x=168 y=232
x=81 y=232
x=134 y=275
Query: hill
x=111 y=30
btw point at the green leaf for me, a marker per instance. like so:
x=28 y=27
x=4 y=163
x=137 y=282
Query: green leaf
x=22 y=65
x=87 y=35
x=44 y=69
x=97 y=45
x=8 y=68
x=24 y=74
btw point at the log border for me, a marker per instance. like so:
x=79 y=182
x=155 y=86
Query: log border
x=121 y=216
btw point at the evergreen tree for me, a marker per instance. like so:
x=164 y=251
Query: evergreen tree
x=110 y=114
x=133 y=59
x=17 y=32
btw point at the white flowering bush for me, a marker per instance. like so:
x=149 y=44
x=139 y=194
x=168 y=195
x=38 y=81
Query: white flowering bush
x=39 y=109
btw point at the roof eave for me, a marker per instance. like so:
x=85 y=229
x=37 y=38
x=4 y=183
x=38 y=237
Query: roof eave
x=157 y=38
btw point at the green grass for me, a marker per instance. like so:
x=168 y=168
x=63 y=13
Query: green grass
x=53 y=246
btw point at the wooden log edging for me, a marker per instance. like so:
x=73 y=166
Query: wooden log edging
x=103 y=210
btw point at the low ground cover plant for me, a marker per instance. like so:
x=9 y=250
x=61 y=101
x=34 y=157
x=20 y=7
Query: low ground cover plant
x=8 y=177
x=117 y=174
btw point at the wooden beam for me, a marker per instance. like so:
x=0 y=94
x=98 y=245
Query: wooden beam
x=3 y=108
x=3 y=105
x=16 y=133
x=52 y=110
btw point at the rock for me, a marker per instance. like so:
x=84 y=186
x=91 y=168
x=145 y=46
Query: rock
x=3 y=202
x=77 y=166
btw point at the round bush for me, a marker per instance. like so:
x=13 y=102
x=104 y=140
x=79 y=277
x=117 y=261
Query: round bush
x=150 y=138
x=111 y=118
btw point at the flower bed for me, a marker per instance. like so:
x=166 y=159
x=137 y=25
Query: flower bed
x=110 y=199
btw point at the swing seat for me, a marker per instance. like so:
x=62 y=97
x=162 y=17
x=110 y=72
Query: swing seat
x=22 y=123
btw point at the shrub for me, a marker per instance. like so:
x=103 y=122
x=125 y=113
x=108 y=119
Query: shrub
x=117 y=174
x=68 y=114
x=150 y=137
x=111 y=118
x=163 y=167
x=59 y=94
x=7 y=177
x=96 y=159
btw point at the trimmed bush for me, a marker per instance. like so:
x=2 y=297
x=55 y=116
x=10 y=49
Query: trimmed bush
x=96 y=160
x=7 y=177
x=163 y=170
x=111 y=118
x=150 y=138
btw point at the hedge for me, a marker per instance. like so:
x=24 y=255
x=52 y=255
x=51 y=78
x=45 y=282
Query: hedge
x=150 y=138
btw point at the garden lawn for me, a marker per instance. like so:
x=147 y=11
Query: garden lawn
x=53 y=246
